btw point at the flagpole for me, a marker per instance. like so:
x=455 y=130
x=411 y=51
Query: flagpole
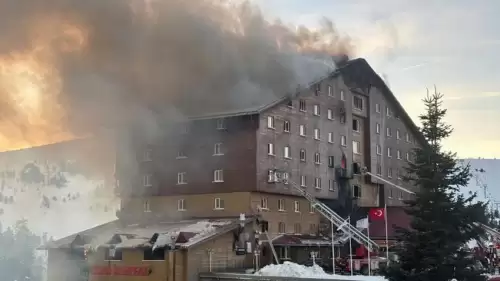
x=369 y=254
x=333 y=251
x=350 y=247
x=386 y=234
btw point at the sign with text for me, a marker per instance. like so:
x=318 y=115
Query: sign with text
x=121 y=270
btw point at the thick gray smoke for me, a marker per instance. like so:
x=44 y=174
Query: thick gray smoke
x=96 y=62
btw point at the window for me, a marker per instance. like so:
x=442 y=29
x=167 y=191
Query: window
x=342 y=119
x=317 y=158
x=270 y=122
x=317 y=183
x=113 y=254
x=286 y=152
x=343 y=140
x=329 y=114
x=281 y=227
x=272 y=176
x=408 y=157
x=379 y=149
x=330 y=137
x=286 y=126
x=357 y=102
x=388 y=111
x=286 y=176
x=302 y=105
x=377 y=108
x=400 y=195
x=317 y=89
x=270 y=149
x=356 y=147
x=181 y=155
x=331 y=162
x=398 y=134
x=389 y=173
x=398 y=174
x=316 y=134
x=407 y=137
x=331 y=185
x=146 y=180
x=316 y=110
x=281 y=205
x=388 y=132
x=218 y=176
x=311 y=208
x=389 y=152
x=156 y=255
x=377 y=128
x=342 y=95
x=147 y=155
x=263 y=203
x=390 y=192
x=302 y=130
x=356 y=191
x=330 y=91
x=302 y=155
x=219 y=204
x=218 y=149
x=145 y=206
x=296 y=206
x=297 y=228
x=379 y=170
x=181 y=205
x=355 y=125
x=398 y=152
x=303 y=182
x=221 y=124
x=181 y=178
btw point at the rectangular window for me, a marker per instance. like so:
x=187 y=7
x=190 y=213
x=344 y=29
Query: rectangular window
x=272 y=176
x=270 y=122
x=388 y=111
x=311 y=208
x=407 y=137
x=342 y=119
x=379 y=170
x=296 y=228
x=302 y=130
x=330 y=114
x=218 y=176
x=156 y=255
x=281 y=205
x=317 y=183
x=270 y=149
x=356 y=147
x=408 y=157
x=302 y=105
x=218 y=149
x=317 y=158
x=389 y=152
x=147 y=155
x=389 y=173
x=181 y=178
x=389 y=192
x=330 y=91
x=398 y=152
x=400 y=196
x=286 y=126
x=316 y=110
x=181 y=155
x=343 y=140
x=355 y=125
x=221 y=124
x=316 y=134
x=356 y=191
x=286 y=176
x=317 y=89
x=331 y=162
x=113 y=254
x=398 y=174
x=281 y=228
x=377 y=108
x=286 y=152
x=146 y=207
x=302 y=155
x=377 y=128
x=357 y=102
x=181 y=205
x=342 y=95
x=331 y=185
x=263 y=204
x=146 y=180
x=296 y=206
x=303 y=182
x=219 y=204
x=398 y=134
x=330 y=137
x=388 y=132
x=379 y=149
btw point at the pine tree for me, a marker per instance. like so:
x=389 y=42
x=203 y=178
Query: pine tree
x=443 y=220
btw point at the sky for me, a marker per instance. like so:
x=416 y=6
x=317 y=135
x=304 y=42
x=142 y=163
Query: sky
x=450 y=44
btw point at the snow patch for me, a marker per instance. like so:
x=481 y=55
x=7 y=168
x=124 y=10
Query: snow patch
x=290 y=269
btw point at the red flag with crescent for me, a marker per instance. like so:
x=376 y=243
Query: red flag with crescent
x=376 y=214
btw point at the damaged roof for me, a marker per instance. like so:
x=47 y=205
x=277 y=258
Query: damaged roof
x=183 y=234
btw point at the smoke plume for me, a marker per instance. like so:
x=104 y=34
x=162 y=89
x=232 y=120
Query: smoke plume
x=71 y=67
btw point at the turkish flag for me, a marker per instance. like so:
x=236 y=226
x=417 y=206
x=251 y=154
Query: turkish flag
x=376 y=214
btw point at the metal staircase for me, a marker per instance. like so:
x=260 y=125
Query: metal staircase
x=333 y=217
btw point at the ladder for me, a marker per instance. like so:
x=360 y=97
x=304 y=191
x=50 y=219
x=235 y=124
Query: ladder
x=333 y=217
x=272 y=247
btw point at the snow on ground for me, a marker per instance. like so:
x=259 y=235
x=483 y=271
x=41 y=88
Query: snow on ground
x=290 y=269
x=79 y=205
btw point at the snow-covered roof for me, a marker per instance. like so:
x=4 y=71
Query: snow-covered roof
x=183 y=234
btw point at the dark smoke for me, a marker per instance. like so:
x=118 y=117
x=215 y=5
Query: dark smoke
x=178 y=57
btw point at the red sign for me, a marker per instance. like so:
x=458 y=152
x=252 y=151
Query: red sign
x=376 y=214
x=121 y=270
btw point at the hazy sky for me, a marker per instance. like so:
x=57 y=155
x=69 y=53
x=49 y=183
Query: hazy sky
x=453 y=44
